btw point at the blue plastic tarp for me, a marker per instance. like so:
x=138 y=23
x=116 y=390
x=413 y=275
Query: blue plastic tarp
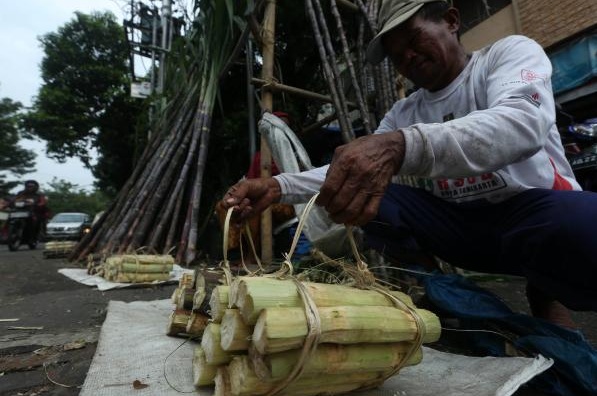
x=575 y=64
x=575 y=361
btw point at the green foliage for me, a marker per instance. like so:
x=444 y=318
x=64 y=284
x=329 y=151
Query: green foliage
x=14 y=159
x=64 y=196
x=84 y=100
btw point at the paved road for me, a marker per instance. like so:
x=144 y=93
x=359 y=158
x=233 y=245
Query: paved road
x=70 y=316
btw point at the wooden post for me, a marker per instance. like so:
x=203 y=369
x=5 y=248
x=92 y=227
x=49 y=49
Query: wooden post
x=267 y=50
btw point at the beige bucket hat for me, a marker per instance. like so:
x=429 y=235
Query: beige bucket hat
x=391 y=14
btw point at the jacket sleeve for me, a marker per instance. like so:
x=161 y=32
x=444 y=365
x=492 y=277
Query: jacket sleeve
x=520 y=112
x=300 y=187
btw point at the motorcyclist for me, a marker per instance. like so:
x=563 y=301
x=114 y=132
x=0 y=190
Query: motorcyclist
x=35 y=201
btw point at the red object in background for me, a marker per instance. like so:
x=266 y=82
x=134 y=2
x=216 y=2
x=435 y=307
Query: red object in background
x=254 y=171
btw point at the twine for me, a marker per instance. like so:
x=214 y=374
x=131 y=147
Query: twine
x=364 y=279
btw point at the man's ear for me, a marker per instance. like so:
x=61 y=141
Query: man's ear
x=452 y=18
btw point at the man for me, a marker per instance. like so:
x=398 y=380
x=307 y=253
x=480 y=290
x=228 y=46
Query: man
x=495 y=192
x=37 y=202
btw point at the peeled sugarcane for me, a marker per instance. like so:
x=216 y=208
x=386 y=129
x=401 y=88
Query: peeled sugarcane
x=336 y=359
x=196 y=324
x=186 y=280
x=210 y=342
x=137 y=277
x=218 y=302
x=244 y=381
x=185 y=301
x=235 y=333
x=203 y=373
x=253 y=294
x=198 y=300
x=222 y=382
x=281 y=329
x=178 y=322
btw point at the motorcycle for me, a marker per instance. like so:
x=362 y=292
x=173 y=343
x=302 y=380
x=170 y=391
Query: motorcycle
x=580 y=144
x=21 y=226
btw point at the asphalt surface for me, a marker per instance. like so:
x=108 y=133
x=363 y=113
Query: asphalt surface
x=57 y=322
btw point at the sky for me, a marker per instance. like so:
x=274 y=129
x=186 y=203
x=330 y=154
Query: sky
x=21 y=23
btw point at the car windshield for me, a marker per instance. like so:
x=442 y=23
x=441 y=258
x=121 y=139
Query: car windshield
x=68 y=218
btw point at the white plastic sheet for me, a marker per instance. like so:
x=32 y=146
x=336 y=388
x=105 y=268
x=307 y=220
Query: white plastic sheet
x=80 y=275
x=133 y=345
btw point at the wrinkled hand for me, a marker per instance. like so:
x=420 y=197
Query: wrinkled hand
x=359 y=175
x=251 y=196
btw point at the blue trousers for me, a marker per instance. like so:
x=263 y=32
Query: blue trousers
x=547 y=236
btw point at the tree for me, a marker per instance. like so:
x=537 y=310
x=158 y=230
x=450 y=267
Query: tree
x=64 y=196
x=14 y=159
x=84 y=100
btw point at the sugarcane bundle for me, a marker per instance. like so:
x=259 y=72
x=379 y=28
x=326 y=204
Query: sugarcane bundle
x=138 y=268
x=56 y=249
x=95 y=264
x=256 y=344
x=274 y=334
x=185 y=320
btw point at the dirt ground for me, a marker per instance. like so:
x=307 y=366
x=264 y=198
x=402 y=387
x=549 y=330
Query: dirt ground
x=51 y=345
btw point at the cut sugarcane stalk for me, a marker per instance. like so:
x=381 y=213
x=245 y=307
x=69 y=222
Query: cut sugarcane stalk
x=235 y=333
x=252 y=294
x=196 y=324
x=175 y=295
x=198 y=299
x=178 y=322
x=281 y=329
x=140 y=258
x=218 y=302
x=222 y=382
x=244 y=382
x=203 y=373
x=210 y=342
x=138 y=277
x=185 y=301
x=336 y=359
x=186 y=280
x=157 y=268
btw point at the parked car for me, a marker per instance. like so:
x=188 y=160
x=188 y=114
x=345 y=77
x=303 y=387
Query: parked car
x=68 y=226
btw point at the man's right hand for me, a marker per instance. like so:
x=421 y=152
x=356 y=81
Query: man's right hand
x=251 y=196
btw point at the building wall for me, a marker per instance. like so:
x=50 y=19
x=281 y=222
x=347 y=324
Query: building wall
x=551 y=21
x=501 y=24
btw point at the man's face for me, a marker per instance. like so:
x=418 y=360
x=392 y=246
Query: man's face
x=424 y=51
x=30 y=187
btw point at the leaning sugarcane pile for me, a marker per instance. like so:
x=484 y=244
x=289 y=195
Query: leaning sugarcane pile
x=158 y=208
x=191 y=298
x=56 y=249
x=257 y=344
x=138 y=268
x=159 y=205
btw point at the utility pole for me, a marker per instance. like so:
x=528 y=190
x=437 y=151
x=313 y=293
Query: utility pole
x=165 y=46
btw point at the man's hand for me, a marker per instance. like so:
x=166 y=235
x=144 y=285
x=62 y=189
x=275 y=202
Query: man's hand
x=251 y=196
x=359 y=175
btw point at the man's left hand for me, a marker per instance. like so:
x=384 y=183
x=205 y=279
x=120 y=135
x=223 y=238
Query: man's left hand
x=359 y=175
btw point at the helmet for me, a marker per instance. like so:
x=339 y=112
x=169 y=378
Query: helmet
x=31 y=185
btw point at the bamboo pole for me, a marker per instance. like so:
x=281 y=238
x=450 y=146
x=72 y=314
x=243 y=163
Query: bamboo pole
x=278 y=87
x=267 y=74
x=281 y=329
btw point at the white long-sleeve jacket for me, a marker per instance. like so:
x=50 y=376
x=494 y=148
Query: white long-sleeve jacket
x=488 y=135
